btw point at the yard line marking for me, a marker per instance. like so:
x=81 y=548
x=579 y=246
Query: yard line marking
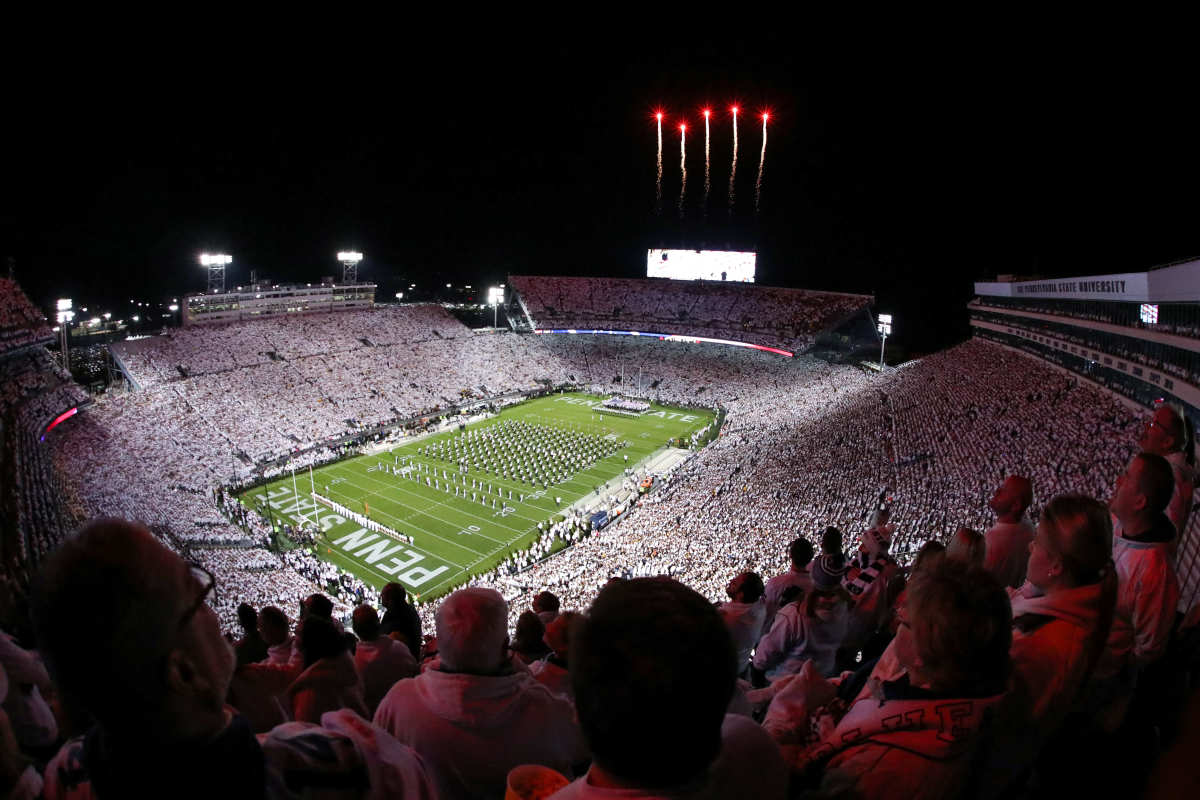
x=548 y=509
x=460 y=511
x=451 y=542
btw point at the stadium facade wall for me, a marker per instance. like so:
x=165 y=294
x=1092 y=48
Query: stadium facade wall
x=1177 y=283
x=1158 y=337
x=277 y=301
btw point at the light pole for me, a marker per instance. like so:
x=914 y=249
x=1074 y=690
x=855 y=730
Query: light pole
x=884 y=326
x=349 y=259
x=216 y=263
x=64 y=317
x=495 y=299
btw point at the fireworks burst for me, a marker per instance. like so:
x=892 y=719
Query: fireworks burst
x=658 y=186
x=707 y=183
x=682 y=166
x=762 y=157
x=733 y=169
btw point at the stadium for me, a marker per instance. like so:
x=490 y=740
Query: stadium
x=609 y=428
x=644 y=413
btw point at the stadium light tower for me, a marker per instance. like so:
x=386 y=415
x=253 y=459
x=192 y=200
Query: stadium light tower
x=884 y=326
x=64 y=316
x=495 y=300
x=349 y=261
x=216 y=263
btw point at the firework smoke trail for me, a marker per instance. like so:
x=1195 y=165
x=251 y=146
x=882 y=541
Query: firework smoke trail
x=707 y=183
x=658 y=186
x=733 y=169
x=682 y=166
x=761 y=158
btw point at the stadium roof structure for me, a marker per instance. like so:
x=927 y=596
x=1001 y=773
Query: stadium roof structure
x=1171 y=283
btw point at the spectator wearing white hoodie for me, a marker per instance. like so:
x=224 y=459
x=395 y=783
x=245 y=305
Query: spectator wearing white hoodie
x=744 y=614
x=809 y=629
x=471 y=716
x=379 y=660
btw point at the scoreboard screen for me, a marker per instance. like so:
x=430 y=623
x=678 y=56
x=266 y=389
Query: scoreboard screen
x=701 y=265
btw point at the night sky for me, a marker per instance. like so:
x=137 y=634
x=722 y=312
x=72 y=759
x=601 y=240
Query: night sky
x=905 y=166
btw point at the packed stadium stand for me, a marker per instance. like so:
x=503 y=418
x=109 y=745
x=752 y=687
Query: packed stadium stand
x=1135 y=333
x=806 y=445
x=34 y=391
x=21 y=324
x=763 y=315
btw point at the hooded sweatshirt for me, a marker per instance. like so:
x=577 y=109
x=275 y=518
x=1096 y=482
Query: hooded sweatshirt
x=1050 y=646
x=380 y=663
x=745 y=624
x=553 y=673
x=1051 y=661
x=796 y=638
x=470 y=730
x=327 y=685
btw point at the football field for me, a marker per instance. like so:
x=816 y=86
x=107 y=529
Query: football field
x=466 y=499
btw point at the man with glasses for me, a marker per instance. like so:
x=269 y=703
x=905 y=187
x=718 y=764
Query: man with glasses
x=128 y=638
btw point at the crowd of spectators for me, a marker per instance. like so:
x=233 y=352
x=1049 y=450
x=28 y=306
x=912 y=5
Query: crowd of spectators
x=962 y=686
x=806 y=445
x=828 y=477
x=34 y=390
x=764 y=315
x=816 y=449
x=21 y=324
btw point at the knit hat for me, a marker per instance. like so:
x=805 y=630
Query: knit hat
x=827 y=571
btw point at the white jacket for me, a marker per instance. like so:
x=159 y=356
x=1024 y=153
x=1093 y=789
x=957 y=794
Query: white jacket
x=470 y=730
x=745 y=624
x=1146 y=601
x=796 y=637
x=778 y=585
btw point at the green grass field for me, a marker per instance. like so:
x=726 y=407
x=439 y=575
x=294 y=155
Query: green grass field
x=453 y=537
